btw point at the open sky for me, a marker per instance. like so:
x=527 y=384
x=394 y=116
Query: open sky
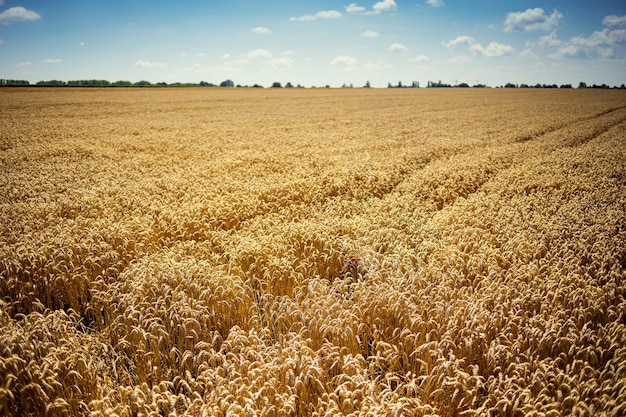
x=315 y=42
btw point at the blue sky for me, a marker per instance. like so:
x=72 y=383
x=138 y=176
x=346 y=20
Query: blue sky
x=315 y=43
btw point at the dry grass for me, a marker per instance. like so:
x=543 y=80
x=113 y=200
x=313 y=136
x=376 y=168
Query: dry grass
x=312 y=252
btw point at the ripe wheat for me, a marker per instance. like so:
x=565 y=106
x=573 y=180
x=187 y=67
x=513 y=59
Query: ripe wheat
x=312 y=252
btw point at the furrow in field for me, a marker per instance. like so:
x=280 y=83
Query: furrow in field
x=442 y=184
x=560 y=126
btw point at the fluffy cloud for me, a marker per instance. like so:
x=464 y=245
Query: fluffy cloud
x=396 y=47
x=614 y=20
x=377 y=8
x=385 y=6
x=567 y=51
x=549 y=40
x=52 y=60
x=459 y=40
x=282 y=62
x=324 y=14
x=259 y=53
x=140 y=63
x=260 y=30
x=435 y=3
x=605 y=37
x=494 y=49
x=24 y=64
x=16 y=14
x=531 y=20
x=370 y=34
x=354 y=8
x=344 y=60
x=328 y=14
x=599 y=44
x=420 y=58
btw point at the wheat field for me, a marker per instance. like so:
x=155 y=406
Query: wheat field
x=318 y=252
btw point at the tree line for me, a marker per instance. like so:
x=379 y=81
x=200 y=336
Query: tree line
x=230 y=84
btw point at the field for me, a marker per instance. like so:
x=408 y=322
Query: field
x=312 y=252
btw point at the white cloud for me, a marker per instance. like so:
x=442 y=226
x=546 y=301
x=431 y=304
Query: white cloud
x=385 y=6
x=459 y=40
x=354 y=8
x=324 y=14
x=435 y=3
x=259 y=53
x=532 y=49
x=494 y=49
x=140 y=63
x=81 y=43
x=282 y=62
x=549 y=40
x=598 y=44
x=370 y=34
x=604 y=38
x=328 y=14
x=260 y=30
x=420 y=58
x=378 y=65
x=344 y=60
x=564 y=52
x=305 y=18
x=614 y=20
x=531 y=20
x=396 y=47
x=225 y=56
x=52 y=60
x=24 y=64
x=16 y=14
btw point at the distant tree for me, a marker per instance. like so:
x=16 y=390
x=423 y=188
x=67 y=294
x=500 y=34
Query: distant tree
x=122 y=83
x=438 y=84
x=389 y=85
x=257 y=86
x=463 y=85
x=399 y=84
x=622 y=86
x=288 y=85
x=367 y=85
x=143 y=83
x=227 y=83
x=510 y=85
x=52 y=83
x=524 y=86
x=14 y=83
x=582 y=84
x=276 y=84
x=566 y=86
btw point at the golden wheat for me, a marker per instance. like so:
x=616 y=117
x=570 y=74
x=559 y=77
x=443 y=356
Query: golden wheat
x=312 y=252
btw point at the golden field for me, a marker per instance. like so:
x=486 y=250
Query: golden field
x=312 y=252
